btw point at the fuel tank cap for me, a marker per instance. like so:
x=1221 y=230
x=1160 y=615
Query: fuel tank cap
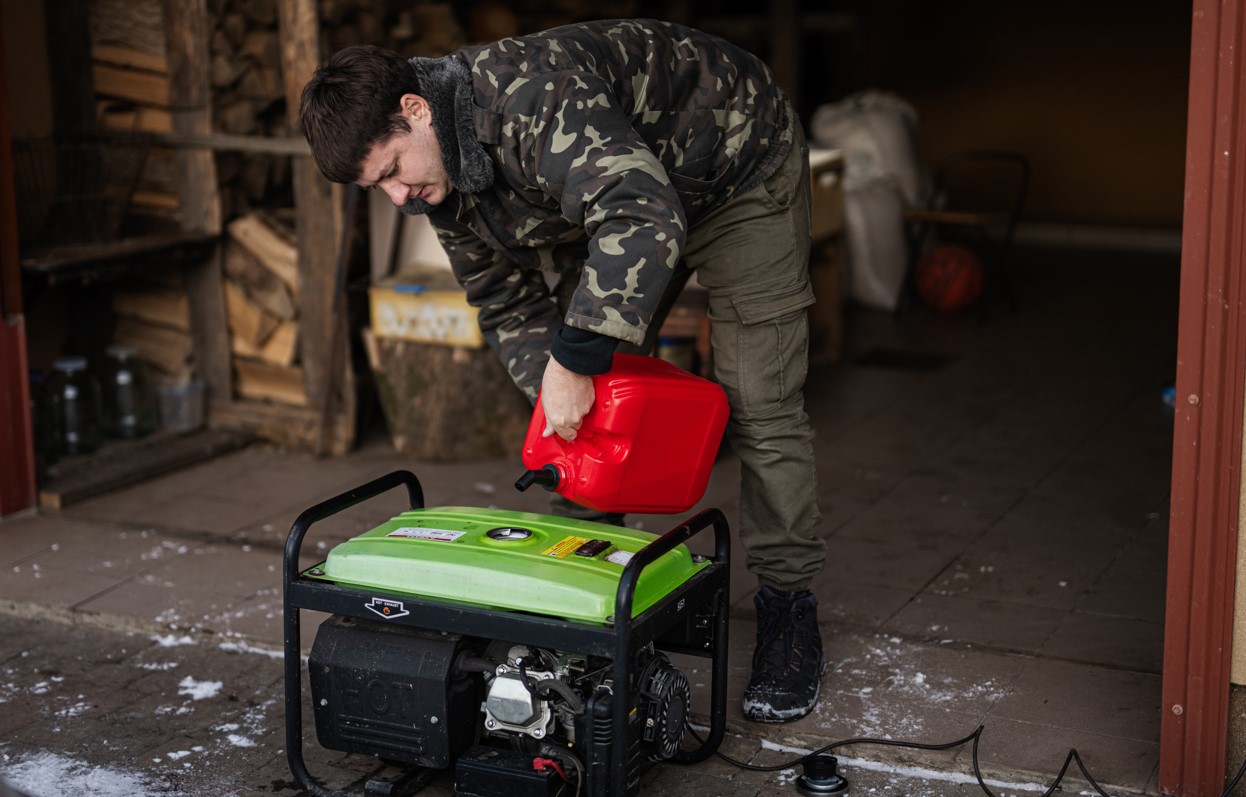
x=508 y=533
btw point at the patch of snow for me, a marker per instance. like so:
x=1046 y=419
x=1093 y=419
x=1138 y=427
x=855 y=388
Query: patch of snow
x=199 y=690
x=240 y=741
x=171 y=641
x=242 y=647
x=50 y=775
x=73 y=711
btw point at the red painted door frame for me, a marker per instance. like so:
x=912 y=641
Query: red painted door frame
x=17 y=465
x=1207 y=441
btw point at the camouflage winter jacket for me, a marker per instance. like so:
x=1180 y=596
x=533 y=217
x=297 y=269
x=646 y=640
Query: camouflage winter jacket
x=589 y=150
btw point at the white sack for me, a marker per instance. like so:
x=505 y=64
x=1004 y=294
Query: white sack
x=877 y=249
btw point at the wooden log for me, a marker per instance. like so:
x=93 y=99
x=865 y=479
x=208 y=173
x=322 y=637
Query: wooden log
x=262 y=84
x=239 y=118
x=279 y=349
x=155 y=200
x=262 y=47
x=445 y=403
x=285 y=426
x=265 y=381
x=254 y=177
x=234 y=26
x=246 y=321
x=261 y=12
x=271 y=250
x=160 y=172
x=125 y=55
x=260 y=285
x=225 y=69
x=146 y=88
x=139 y=24
x=165 y=349
x=166 y=308
x=117 y=116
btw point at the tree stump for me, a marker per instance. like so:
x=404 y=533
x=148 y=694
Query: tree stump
x=447 y=403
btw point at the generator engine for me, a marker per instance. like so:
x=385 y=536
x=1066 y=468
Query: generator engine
x=526 y=654
x=435 y=700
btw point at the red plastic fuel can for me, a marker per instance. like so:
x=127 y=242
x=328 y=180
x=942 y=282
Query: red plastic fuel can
x=647 y=445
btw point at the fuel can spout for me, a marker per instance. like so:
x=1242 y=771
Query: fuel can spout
x=547 y=477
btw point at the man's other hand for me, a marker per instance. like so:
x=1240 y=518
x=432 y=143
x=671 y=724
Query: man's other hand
x=566 y=398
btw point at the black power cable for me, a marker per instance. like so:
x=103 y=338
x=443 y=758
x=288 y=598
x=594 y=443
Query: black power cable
x=974 y=737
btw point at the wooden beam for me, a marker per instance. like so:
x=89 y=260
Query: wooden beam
x=190 y=99
x=225 y=142
x=320 y=218
x=125 y=463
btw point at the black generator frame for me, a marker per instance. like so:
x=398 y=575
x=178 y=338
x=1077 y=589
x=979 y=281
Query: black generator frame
x=615 y=641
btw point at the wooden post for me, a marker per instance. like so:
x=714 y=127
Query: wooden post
x=319 y=223
x=1207 y=435
x=68 y=26
x=190 y=98
x=17 y=476
x=785 y=47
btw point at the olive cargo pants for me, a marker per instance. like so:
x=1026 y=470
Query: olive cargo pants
x=752 y=256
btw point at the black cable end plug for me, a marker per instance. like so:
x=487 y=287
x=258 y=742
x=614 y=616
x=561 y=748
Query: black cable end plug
x=821 y=777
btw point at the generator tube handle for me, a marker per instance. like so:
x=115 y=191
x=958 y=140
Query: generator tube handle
x=622 y=630
x=290 y=570
x=338 y=503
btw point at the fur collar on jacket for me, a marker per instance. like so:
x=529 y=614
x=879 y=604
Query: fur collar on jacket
x=447 y=85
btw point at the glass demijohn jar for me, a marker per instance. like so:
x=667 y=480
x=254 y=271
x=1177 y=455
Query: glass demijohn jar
x=128 y=402
x=73 y=395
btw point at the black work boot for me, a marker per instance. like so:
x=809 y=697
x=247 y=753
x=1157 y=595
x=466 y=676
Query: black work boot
x=788 y=662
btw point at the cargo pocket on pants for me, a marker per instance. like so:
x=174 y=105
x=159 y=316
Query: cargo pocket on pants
x=772 y=348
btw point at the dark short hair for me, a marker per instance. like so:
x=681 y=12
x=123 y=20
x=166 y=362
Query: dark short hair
x=351 y=104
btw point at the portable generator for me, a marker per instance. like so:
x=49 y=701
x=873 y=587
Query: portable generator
x=525 y=654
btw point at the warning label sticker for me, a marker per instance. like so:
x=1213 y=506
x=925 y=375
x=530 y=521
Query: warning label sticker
x=619 y=557
x=436 y=535
x=564 y=547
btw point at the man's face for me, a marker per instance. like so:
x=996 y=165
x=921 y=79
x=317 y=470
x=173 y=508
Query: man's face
x=408 y=166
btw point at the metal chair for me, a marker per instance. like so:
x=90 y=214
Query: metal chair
x=976 y=198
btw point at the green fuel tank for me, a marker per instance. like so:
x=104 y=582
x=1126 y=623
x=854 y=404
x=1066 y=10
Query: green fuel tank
x=512 y=561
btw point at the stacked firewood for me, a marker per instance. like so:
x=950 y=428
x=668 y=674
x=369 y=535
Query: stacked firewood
x=261 y=302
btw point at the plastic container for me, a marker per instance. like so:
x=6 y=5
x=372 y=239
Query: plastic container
x=647 y=445
x=128 y=403
x=181 y=406
x=73 y=397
